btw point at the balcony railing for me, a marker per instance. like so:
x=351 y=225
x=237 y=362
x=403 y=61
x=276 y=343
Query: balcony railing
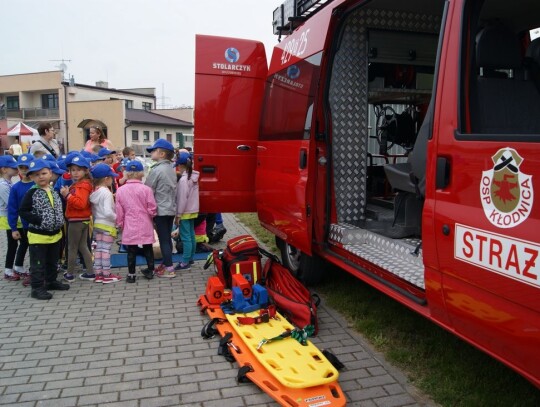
x=30 y=113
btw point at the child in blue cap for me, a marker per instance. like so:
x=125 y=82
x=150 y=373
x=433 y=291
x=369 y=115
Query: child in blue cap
x=104 y=215
x=42 y=209
x=162 y=180
x=187 y=208
x=19 y=233
x=8 y=169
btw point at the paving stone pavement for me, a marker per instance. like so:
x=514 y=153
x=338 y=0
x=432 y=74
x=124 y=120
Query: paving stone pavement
x=126 y=345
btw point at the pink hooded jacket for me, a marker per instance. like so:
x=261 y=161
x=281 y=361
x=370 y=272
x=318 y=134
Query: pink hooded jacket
x=135 y=210
x=187 y=194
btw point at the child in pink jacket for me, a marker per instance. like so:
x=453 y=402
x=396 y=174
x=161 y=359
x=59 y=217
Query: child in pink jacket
x=135 y=210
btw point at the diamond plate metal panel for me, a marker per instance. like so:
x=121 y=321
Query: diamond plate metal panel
x=396 y=265
x=398 y=20
x=348 y=101
x=394 y=255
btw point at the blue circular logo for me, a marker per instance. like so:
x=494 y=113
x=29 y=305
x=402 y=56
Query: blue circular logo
x=232 y=55
x=293 y=72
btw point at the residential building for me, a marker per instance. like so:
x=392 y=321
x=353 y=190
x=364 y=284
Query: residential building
x=181 y=113
x=73 y=108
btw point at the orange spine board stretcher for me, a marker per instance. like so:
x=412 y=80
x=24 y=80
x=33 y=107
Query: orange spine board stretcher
x=322 y=395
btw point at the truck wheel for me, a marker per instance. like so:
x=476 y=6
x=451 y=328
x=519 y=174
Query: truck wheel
x=306 y=268
x=290 y=256
x=311 y=269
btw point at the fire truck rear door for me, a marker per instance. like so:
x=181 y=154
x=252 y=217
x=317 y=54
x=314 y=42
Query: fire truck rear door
x=229 y=85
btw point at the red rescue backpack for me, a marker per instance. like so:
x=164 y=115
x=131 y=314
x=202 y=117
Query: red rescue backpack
x=241 y=256
x=292 y=298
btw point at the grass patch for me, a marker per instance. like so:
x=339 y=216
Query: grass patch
x=252 y=222
x=444 y=367
x=449 y=370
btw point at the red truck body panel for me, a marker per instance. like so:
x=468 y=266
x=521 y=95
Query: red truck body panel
x=479 y=229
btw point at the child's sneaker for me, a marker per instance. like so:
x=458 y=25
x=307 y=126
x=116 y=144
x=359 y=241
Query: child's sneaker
x=111 y=278
x=9 y=275
x=99 y=278
x=159 y=268
x=131 y=278
x=69 y=277
x=26 y=281
x=166 y=272
x=148 y=274
x=87 y=276
x=20 y=270
x=182 y=267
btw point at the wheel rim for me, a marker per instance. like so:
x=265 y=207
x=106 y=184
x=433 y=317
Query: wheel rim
x=293 y=257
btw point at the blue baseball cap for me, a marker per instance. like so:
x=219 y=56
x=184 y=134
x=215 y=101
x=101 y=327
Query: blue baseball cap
x=134 y=166
x=56 y=168
x=85 y=154
x=8 y=161
x=70 y=156
x=183 y=158
x=62 y=164
x=25 y=159
x=38 y=165
x=102 y=171
x=105 y=151
x=48 y=157
x=96 y=158
x=78 y=160
x=123 y=163
x=161 y=143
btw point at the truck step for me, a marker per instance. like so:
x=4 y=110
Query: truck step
x=401 y=257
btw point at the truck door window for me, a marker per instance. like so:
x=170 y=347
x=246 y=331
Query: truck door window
x=288 y=104
x=500 y=93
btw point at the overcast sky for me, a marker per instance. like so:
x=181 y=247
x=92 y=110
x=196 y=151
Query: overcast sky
x=129 y=43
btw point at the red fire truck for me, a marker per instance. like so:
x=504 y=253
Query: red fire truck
x=398 y=140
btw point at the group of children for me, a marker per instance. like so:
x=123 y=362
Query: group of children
x=59 y=205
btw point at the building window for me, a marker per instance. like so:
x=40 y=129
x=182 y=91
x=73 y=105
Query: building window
x=180 y=139
x=146 y=105
x=156 y=135
x=135 y=135
x=12 y=103
x=146 y=135
x=169 y=138
x=49 y=101
x=129 y=104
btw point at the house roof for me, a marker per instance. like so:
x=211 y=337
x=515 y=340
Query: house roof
x=113 y=90
x=146 y=117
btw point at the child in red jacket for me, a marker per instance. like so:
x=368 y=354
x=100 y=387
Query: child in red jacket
x=78 y=213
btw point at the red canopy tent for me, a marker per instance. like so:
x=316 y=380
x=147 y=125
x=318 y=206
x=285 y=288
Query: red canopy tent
x=25 y=133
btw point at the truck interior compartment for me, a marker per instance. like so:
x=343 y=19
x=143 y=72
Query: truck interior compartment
x=379 y=92
x=380 y=105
